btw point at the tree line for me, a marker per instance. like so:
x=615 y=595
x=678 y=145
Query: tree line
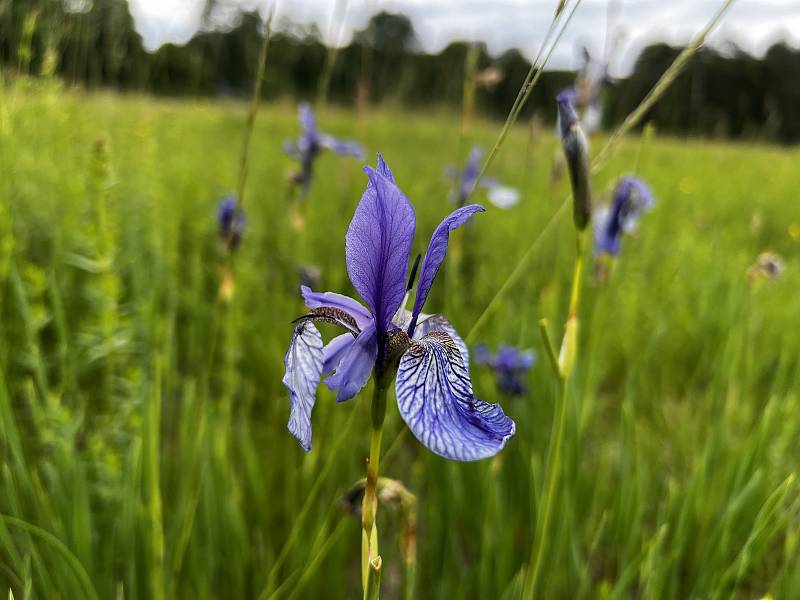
x=93 y=43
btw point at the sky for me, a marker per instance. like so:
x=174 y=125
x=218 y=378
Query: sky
x=502 y=24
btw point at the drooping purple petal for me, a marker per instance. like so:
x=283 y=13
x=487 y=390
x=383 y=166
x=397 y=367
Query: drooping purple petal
x=435 y=399
x=303 y=362
x=342 y=147
x=355 y=365
x=352 y=307
x=378 y=244
x=334 y=350
x=434 y=256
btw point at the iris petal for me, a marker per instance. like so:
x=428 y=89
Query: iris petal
x=355 y=366
x=342 y=147
x=437 y=248
x=334 y=350
x=378 y=244
x=352 y=307
x=303 y=362
x=435 y=399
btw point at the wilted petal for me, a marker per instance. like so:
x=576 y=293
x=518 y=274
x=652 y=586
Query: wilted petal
x=334 y=350
x=378 y=244
x=355 y=366
x=503 y=196
x=434 y=395
x=437 y=248
x=352 y=307
x=303 y=362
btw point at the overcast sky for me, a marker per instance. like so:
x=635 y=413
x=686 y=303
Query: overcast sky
x=752 y=24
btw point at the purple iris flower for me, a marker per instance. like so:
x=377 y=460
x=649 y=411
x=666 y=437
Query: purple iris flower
x=501 y=196
x=509 y=365
x=632 y=197
x=231 y=222
x=434 y=391
x=311 y=143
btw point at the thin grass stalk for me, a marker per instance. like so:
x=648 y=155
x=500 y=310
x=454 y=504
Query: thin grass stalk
x=249 y=125
x=564 y=366
x=631 y=121
x=306 y=508
x=152 y=474
x=661 y=86
x=61 y=547
x=527 y=87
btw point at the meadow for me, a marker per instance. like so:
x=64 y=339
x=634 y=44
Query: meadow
x=144 y=450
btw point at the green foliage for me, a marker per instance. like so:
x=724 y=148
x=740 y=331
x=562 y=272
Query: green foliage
x=144 y=451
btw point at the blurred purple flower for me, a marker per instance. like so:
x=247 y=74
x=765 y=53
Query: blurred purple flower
x=230 y=222
x=431 y=362
x=500 y=195
x=311 y=142
x=509 y=365
x=576 y=152
x=632 y=197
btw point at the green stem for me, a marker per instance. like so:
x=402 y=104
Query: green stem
x=568 y=354
x=369 y=539
x=548 y=345
x=551 y=485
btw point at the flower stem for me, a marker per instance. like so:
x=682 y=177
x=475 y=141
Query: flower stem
x=369 y=536
x=569 y=350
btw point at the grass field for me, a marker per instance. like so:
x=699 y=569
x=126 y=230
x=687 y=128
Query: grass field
x=143 y=446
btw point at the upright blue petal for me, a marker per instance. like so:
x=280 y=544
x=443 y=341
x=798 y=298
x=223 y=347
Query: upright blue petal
x=303 y=362
x=435 y=399
x=434 y=256
x=384 y=169
x=307 y=119
x=355 y=365
x=378 y=244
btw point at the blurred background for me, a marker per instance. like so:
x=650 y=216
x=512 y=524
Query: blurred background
x=143 y=443
x=744 y=84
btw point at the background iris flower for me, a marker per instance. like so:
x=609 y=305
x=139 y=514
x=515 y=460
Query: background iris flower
x=632 y=197
x=434 y=391
x=311 y=143
x=509 y=365
x=502 y=196
x=230 y=223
